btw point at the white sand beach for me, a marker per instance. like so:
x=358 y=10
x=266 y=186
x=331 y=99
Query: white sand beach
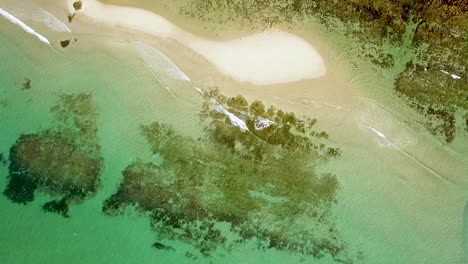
x=269 y=57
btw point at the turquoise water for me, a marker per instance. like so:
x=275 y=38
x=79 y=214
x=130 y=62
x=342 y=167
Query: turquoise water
x=374 y=224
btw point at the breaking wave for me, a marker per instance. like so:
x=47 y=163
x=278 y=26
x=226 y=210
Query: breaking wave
x=159 y=63
x=26 y=28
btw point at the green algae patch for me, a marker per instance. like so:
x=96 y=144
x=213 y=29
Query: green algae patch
x=259 y=180
x=62 y=161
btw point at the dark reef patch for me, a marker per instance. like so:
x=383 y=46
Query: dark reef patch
x=261 y=180
x=161 y=246
x=26 y=84
x=439 y=121
x=64 y=161
x=57 y=206
x=20 y=189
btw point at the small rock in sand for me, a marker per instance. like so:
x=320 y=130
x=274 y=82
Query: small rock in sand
x=77 y=5
x=70 y=17
x=65 y=43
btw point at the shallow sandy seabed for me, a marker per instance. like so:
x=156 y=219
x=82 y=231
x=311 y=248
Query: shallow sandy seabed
x=420 y=183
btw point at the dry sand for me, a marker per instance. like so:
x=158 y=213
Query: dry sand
x=264 y=58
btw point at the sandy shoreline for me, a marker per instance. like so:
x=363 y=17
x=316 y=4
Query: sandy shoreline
x=263 y=58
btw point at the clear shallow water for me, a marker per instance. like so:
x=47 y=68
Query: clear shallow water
x=372 y=219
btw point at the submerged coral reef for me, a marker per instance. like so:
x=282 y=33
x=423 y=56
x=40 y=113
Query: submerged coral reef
x=260 y=179
x=62 y=161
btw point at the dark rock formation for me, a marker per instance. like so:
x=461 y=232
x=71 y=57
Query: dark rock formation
x=57 y=206
x=65 y=43
x=77 y=5
x=26 y=84
x=161 y=246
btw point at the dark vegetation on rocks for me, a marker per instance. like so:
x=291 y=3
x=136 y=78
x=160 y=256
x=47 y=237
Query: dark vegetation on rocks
x=261 y=181
x=63 y=161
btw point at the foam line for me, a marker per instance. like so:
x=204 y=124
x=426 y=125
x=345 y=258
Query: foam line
x=159 y=62
x=20 y=23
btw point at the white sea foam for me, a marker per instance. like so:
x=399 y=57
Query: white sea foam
x=159 y=62
x=261 y=123
x=378 y=133
x=236 y=121
x=30 y=11
x=20 y=23
x=454 y=76
x=383 y=141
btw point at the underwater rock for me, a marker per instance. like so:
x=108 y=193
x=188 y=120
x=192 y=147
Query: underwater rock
x=260 y=182
x=65 y=43
x=161 y=246
x=57 y=206
x=26 y=84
